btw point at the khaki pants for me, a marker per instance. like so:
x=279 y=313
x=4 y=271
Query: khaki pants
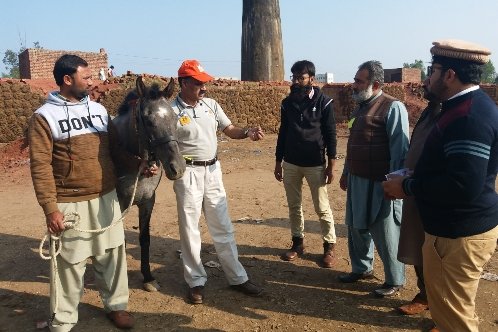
x=293 y=184
x=452 y=268
x=111 y=278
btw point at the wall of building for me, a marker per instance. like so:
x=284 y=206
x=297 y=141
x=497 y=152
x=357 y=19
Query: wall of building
x=35 y=63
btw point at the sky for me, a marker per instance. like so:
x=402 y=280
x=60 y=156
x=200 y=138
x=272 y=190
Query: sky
x=155 y=36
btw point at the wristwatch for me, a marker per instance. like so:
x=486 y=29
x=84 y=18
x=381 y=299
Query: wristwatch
x=246 y=132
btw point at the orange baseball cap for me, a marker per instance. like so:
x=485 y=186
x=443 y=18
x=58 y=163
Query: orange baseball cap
x=192 y=68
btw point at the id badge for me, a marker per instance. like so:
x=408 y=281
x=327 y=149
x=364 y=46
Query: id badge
x=184 y=120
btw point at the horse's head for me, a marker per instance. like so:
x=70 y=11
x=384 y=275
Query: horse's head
x=157 y=123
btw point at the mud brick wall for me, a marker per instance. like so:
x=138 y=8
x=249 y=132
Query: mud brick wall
x=245 y=103
x=17 y=104
x=39 y=63
x=344 y=104
x=491 y=90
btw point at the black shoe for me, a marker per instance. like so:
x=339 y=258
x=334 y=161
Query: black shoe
x=248 y=288
x=354 y=277
x=387 y=290
x=195 y=295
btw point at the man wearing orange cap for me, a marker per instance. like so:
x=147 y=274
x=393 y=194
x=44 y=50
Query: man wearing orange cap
x=201 y=187
x=454 y=185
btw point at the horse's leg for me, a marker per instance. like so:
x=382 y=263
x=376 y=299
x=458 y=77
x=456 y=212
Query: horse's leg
x=144 y=215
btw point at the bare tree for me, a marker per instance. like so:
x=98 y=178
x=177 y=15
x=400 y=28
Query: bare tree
x=262 y=50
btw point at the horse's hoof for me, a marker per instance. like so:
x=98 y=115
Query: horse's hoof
x=152 y=286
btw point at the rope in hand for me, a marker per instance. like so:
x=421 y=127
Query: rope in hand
x=70 y=221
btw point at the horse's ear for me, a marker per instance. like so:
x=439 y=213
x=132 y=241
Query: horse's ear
x=169 y=89
x=140 y=87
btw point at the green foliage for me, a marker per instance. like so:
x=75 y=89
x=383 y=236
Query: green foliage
x=11 y=61
x=488 y=73
x=419 y=64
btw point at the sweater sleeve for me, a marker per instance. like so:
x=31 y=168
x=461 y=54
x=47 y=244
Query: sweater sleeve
x=329 y=129
x=282 y=135
x=40 y=151
x=467 y=146
x=397 y=128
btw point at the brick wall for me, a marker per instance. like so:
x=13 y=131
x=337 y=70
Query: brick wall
x=39 y=63
x=402 y=75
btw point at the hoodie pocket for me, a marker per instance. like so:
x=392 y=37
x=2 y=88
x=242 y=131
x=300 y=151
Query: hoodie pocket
x=63 y=169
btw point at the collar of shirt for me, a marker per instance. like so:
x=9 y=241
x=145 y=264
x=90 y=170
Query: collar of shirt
x=369 y=100
x=183 y=104
x=461 y=93
x=58 y=94
x=312 y=93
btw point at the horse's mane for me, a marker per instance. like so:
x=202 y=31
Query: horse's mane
x=151 y=93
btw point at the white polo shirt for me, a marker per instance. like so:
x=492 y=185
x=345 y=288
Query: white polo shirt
x=197 y=127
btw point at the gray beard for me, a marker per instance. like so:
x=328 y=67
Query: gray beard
x=364 y=94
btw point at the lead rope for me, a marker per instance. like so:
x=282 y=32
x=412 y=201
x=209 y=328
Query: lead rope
x=70 y=221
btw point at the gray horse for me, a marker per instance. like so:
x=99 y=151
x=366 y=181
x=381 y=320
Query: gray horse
x=146 y=126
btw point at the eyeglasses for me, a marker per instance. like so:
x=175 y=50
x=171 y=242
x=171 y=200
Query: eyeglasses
x=432 y=69
x=300 y=79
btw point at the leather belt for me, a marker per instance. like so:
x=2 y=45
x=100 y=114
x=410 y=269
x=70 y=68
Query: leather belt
x=201 y=162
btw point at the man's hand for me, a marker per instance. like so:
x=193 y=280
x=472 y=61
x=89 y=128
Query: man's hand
x=255 y=134
x=343 y=182
x=149 y=170
x=329 y=171
x=55 y=222
x=278 y=171
x=393 y=188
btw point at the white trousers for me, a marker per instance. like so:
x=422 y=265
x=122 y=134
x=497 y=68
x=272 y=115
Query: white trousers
x=201 y=189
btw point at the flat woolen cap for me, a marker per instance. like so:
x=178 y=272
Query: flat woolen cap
x=462 y=50
x=192 y=68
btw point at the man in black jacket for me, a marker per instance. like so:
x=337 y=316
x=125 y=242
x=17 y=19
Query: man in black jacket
x=307 y=134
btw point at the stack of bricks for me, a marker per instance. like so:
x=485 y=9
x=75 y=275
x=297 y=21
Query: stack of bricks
x=17 y=104
x=245 y=103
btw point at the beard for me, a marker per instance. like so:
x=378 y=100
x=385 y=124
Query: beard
x=80 y=94
x=436 y=89
x=428 y=95
x=363 y=95
x=299 y=92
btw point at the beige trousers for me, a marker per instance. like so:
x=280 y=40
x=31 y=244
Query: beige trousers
x=293 y=184
x=111 y=278
x=452 y=268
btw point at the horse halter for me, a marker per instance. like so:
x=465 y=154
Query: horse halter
x=151 y=141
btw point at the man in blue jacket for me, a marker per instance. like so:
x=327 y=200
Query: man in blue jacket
x=454 y=185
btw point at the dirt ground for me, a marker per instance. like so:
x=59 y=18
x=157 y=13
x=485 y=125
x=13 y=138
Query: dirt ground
x=299 y=296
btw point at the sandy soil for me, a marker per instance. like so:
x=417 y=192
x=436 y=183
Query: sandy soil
x=299 y=296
